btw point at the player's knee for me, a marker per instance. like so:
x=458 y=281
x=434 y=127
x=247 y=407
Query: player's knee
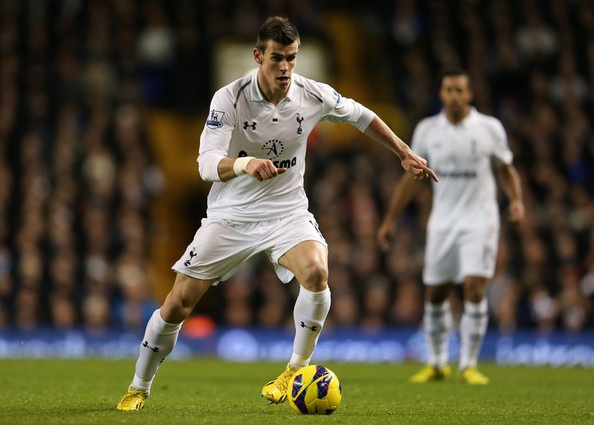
x=437 y=294
x=315 y=278
x=475 y=289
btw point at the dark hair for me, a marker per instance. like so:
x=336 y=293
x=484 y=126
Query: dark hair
x=278 y=29
x=454 y=72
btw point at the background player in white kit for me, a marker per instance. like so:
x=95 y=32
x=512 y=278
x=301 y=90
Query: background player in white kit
x=253 y=150
x=464 y=147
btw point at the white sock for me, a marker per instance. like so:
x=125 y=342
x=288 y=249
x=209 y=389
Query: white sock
x=473 y=327
x=437 y=322
x=159 y=339
x=311 y=309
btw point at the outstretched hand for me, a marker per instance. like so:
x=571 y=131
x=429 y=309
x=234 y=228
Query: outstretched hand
x=417 y=166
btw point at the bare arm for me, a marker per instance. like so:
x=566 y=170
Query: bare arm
x=510 y=182
x=411 y=162
x=401 y=197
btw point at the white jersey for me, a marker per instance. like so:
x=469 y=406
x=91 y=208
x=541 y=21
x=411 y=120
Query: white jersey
x=463 y=157
x=242 y=123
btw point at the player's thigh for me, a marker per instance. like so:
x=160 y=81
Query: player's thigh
x=478 y=252
x=441 y=258
x=296 y=247
x=217 y=250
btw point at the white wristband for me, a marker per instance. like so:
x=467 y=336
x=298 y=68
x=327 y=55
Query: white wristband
x=240 y=165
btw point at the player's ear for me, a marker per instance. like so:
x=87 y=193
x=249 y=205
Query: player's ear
x=257 y=56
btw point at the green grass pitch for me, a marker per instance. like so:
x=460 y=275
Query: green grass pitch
x=208 y=391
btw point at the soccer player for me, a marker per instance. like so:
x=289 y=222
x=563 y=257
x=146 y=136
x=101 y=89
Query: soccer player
x=466 y=149
x=253 y=149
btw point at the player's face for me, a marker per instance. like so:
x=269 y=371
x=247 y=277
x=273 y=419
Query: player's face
x=456 y=96
x=276 y=67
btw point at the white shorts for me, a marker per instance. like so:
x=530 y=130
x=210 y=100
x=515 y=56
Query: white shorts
x=452 y=255
x=221 y=246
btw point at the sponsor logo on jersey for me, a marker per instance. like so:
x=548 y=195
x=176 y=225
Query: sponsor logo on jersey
x=273 y=148
x=285 y=163
x=457 y=174
x=216 y=119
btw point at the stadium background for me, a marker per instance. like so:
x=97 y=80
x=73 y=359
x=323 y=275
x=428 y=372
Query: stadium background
x=101 y=106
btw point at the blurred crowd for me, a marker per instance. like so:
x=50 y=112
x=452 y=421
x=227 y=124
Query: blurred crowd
x=77 y=174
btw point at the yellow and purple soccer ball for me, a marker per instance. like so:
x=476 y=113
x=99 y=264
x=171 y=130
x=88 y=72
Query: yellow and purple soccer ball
x=314 y=390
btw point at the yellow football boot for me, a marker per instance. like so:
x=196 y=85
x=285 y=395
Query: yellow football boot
x=275 y=391
x=431 y=373
x=472 y=376
x=132 y=400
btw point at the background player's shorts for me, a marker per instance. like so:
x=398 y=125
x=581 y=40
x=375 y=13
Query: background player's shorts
x=452 y=255
x=221 y=246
